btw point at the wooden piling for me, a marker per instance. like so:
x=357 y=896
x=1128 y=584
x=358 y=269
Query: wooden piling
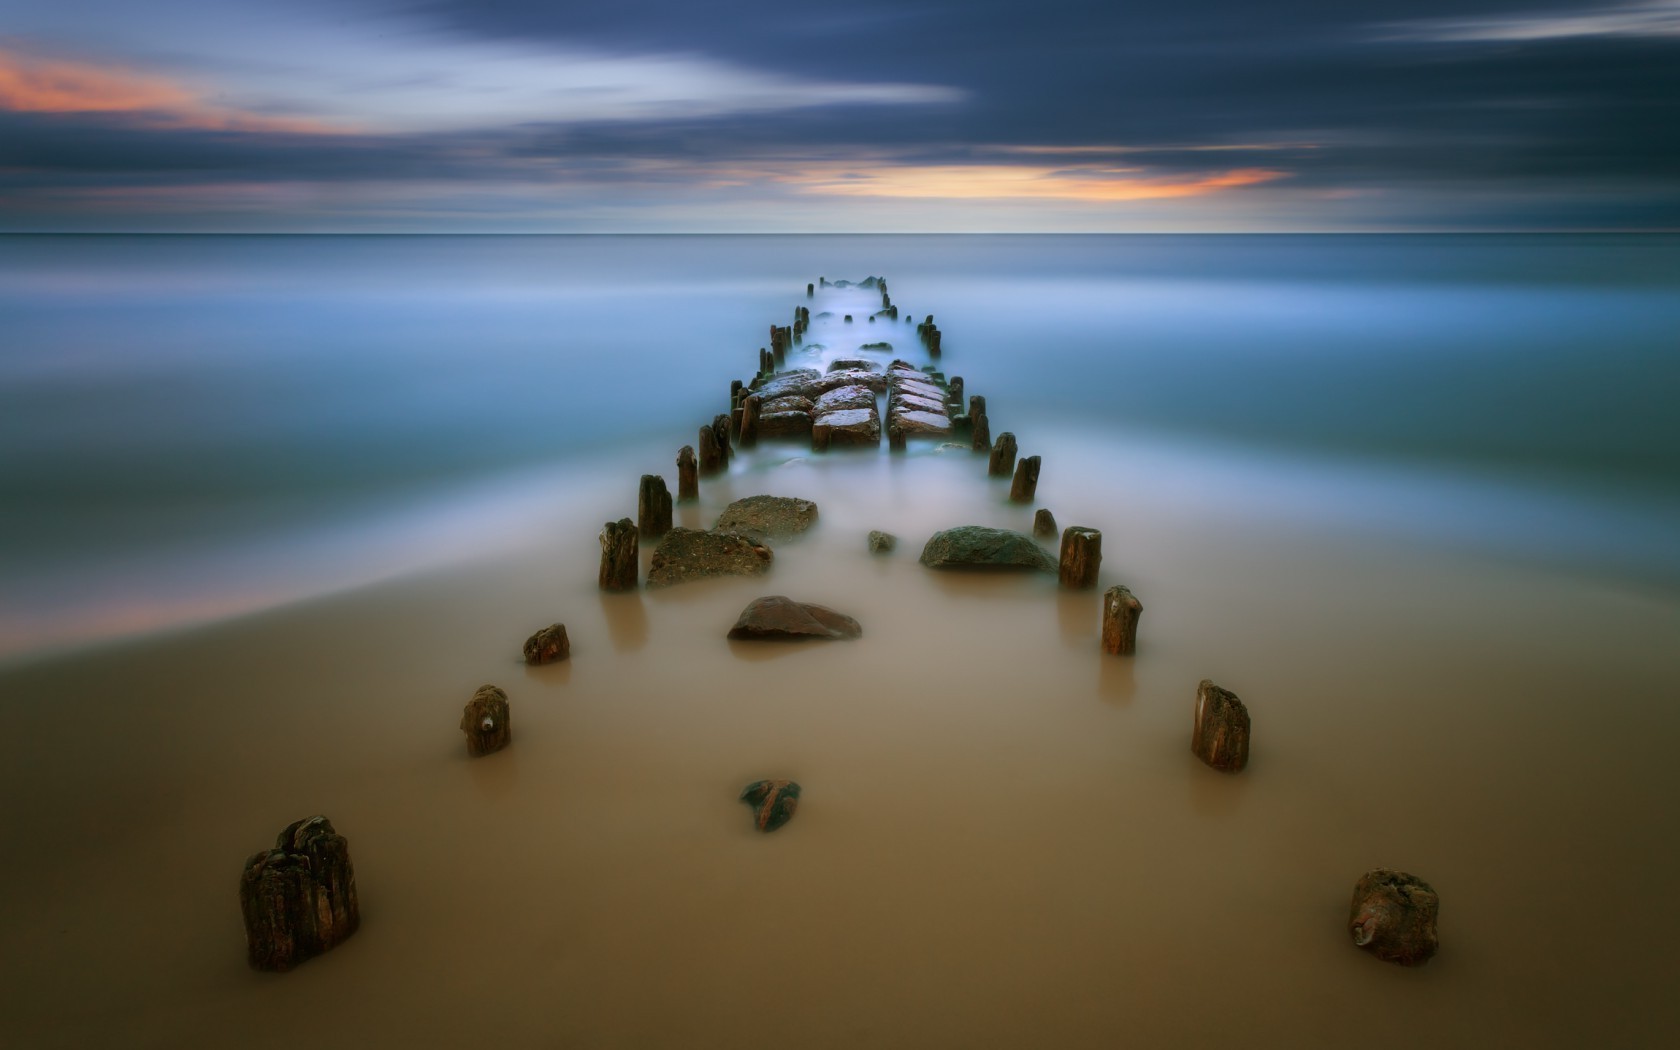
x=1025 y=487
x=620 y=556
x=980 y=438
x=1044 y=524
x=749 y=420
x=1003 y=457
x=720 y=434
x=688 y=477
x=896 y=440
x=1121 y=610
x=547 y=646
x=485 y=721
x=954 y=394
x=1081 y=557
x=1220 y=736
x=653 y=506
x=711 y=456
x=810 y=290
x=299 y=898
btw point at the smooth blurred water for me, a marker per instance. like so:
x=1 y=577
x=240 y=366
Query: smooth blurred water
x=191 y=426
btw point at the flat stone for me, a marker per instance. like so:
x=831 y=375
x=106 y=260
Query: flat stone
x=784 y=424
x=883 y=346
x=922 y=423
x=844 y=397
x=980 y=547
x=778 y=618
x=915 y=403
x=854 y=364
x=801 y=381
x=689 y=554
x=786 y=403
x=847 y=426
x=768 y=516
x=852 y=377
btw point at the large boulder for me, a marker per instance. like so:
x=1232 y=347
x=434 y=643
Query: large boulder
x=767 y=516
x=778 y=618
x=689 y=554
x=980 y=547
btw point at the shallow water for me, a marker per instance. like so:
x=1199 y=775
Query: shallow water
x=1004 y=839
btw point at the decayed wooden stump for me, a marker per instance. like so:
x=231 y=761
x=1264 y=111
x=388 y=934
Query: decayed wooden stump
x=299 y=898
x=954 y=395
x=1003 y=456
x=688 y=476
x=1220 y=737
x=976 y=405
x=485 y=721
x=620 y=556
x=773 y=802
x=653 y=506
x=549 y=645
x=1025 y=486
x=1393 y=916
x=1121 y=610
x=720 y=433
x=896 y=440
x=749 y=420
x=711 y=455
x=1044 y=524
x=1081 y=556
x=980 y=436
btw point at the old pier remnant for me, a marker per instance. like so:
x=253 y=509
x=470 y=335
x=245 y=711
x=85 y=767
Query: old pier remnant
x=1120 y=613
x=688 y=475
x=1002 y=464
x=547 y=646
x=1393 y=916
x=620 y=556
x=773 y=802
x=1081 y=557
x=299 y=898
x=1025 y=487
x=711 y=454
x=485 y=721
x=1044 y=524
x=653 y=506
x=1220 y=736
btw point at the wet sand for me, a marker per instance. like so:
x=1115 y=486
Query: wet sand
x=1004 y=839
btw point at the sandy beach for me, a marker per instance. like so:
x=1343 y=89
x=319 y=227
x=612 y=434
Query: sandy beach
x=1004 y=838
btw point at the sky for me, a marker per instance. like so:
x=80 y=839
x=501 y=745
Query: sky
x=553 y=116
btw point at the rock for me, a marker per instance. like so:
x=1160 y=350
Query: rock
x=851 y=396
x=1044 y=524
x=916 y=403
x=882 y=542
x=768 y=516
x=854 y=364
x=1220 y=735
x=852 y=426
x=773 y=802
x=1393 y=916
x=689 y=554
x=778 y=618
x=485 y=721
x=549 y=645
x=784 y=424
x=921 y=423
x=800 y=381
x=887 y=347
x=785 y=403
x=980 y=547
x=874 y=381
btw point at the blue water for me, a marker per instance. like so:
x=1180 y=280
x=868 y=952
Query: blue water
x=186 y=420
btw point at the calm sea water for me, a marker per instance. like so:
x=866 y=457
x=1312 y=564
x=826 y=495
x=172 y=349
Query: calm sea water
x=197 y=426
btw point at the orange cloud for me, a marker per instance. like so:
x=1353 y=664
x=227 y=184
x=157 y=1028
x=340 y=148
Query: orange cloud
x=29 y=84
x=1014 y=181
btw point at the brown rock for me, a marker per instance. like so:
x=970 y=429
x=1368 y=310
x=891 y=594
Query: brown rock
x=778 y=618
x=485 y=721
x=852 y=426
x=921 y=423
x=843 y=397
x=768 y=516
x=549 y=645
x=1393 y=916
x=689 y=554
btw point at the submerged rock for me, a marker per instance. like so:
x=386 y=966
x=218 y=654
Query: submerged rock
x=689 y=554
x=850 y=426
x=1393 y=916
x=854 y=364
x=778 y=618
x=773 y=802
x=548 y=645
x=843 y=397
x=881 y=542
x=980 y=547
x=768 y=516
x=800 y=381
x=784 y=424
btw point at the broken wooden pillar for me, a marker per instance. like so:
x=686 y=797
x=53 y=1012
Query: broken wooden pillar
x=896 y=441
x=299 y=898
x=1121 y=610
x=620 y=556
x=1220 y=737
x=720 y=433
x=1026 y=480
x=810 y=290
x=1081 y=557
x=1003 y=457
x=976 y=404
x=1393 y=916
x=735 y=386
x=485 y=721
x=749 y=420
x=954 y=394
x=1044 y=524
x=653 y=506
x=711 y=456
x=547 y=646
x=766 y=362
x=980 y=438
x=688 y=477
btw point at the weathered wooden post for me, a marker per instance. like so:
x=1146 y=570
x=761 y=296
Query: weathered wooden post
x=1025 y=486
x=1003 y=457
x=749 y=420
x=766 y=362
x=688 y=476
x=711 y=456
x=980 y=439
x=299 y=898
x=653 y=506
x=1220 y=737
x=810 y=290
x=1044 y=524
x=977 y=405
x=720 y=433
x=1393 y=916
x=896 y=441
x=549 y=645
x=620 y=556
x=954 y=394
x=485 y=721
x=1121 y=610
x=1081 y=557
x=735 y=386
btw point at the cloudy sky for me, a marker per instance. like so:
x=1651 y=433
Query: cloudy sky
x=850 y=115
